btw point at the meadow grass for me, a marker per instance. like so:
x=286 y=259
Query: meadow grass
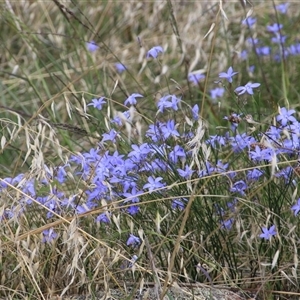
x=132 y=153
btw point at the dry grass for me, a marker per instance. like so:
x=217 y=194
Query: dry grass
x=48 y=77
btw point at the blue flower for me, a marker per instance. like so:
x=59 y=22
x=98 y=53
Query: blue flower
x=239 y=187
x=285 y=116
x=217 y=92
x=248 y=88
x=250 y=21
x=169 y=129
x=268 y=233
x=92 y=46
x=49 y=235
x=155 y=51
x=195 y=78
x=228 y=75
x=274 y=28
x=227 y=224
x=282 y=8
x=178 y=203
x=195 y=112
x=296 y=207
x=103 y=218
x=133 y=209
x=186 y=173
x=153 y=184
x=133 y=240
x=97 y=103
x=120 y=67
x=111 y=136
x=132 y=99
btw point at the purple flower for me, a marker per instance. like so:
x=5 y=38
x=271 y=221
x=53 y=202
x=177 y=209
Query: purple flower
x=279 y=39
x=195 y=78
x=168 y=101
x=268 y=233
x=274 y=28
x=178 y=151
x=254 y=174
x=285 y=116
x=92 y=46
x=227 y=224
x=195 y=112
x=111 y=136
x=282 y=8
x=217 y=92
x=49 y=235
x=251 y=41
x=243 y=55
x=239 y=187
x=169 y=129
x=263 y=51
x=103 y=218
x=120 y=67
x=97 y=103
x=296 y=207
x=228 y=75
x=155 y=51
x=178 y=203
x=186 y=173
x=248 y=88
x=133 y=209
x=250 y=21
x=153 y=184
x=132 y=99
x=133 y=196
x=133 y=240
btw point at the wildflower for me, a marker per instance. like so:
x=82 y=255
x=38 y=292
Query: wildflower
x=217 y=92
x=133 y=240
x=155 y=51
x=186 y=173
x=285 y=116
x=268 y=233
x=111 y=136
x=250 y=21
x=140 y=152
x=103 y=218
x=239 y=187
x=133 y=196
x=92 y=46
x=132 y=99
x=282 y=8
x=153 y=183
x=168 y=101
x=274 y=28
x=178 y=151
x=228 y=75
x=251 y=41
x=49 y=235
x=195 y=112
x=279 y=39
x=263 y=51
x=195 y=78
x=133 y=209
x=296 y=207
x=248 y=88
x=97 y=103
x=120 y=67
x=254 y=174
x=170 y=129
x=227 y=224
x=177 y=203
